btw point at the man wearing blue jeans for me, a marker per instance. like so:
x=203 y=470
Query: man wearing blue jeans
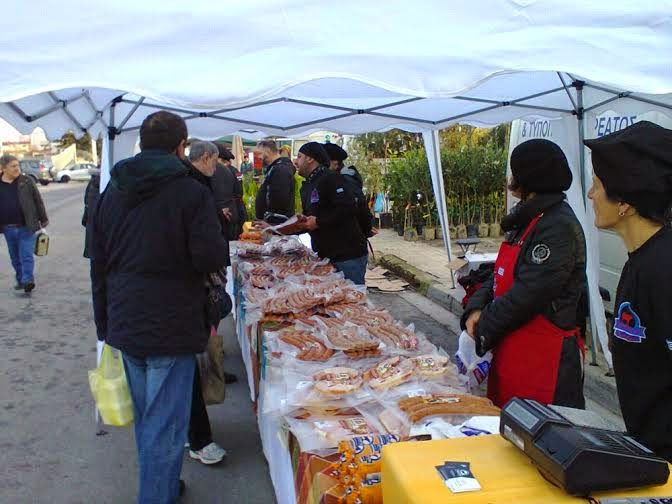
x=21 y=245
x=22 y=213
x=155 y=237
x=331 y=214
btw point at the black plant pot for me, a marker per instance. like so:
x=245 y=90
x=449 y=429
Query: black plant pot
x=386 y=220
x=472 y=231
x=419 y=229
x=400 y=231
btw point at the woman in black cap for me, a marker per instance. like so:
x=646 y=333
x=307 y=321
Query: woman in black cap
x=527 y=312
x=632 y=195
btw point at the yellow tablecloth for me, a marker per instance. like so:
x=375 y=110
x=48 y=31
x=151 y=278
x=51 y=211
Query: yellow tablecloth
x=506 y=475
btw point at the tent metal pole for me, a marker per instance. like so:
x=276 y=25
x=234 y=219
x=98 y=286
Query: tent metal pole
x=160 y=107
x=650 y=102
x=243 y=107
x=467 y=114
x=536 y=95
x=319 y=105
x=604 y=102
x=203 y=115
x=601 y=88
x=46 y=111
x=64 y=105
x=433 y=147
x=57 y=104
x=393 y=104
x=476 y=100
x=112 y=133
x=549 y=109
x=17 y=110
x=582 y=165
x=132 y=111
x=569 y=93
x=318 y=121
x=403 y=118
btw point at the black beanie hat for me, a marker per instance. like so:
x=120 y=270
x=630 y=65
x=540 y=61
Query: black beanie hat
x=540 y=166
x=316 y=151
x=635 y=161
x=335 y=152
x=224 y=153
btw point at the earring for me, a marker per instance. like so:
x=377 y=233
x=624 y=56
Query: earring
x=621 y=213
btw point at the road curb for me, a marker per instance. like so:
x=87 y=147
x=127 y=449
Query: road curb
x=426 y=284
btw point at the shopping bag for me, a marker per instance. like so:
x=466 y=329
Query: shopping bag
x=41 y=243
x=469 y=364
x=110 y=389
x=211 y=367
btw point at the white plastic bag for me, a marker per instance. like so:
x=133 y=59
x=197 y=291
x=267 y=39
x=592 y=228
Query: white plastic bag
x=469 y=364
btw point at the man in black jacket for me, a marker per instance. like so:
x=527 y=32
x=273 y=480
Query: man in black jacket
x=332 y=214
x=155 y=237
x=90 y=198
x=350 y=174
x=228 y=193
x=276 y=193
x=526 y=313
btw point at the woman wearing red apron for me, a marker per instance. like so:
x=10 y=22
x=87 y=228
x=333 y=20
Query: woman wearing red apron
x=529 y=312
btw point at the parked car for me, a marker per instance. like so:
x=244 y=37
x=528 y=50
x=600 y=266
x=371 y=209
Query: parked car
x=79 y=171
x=37 y=169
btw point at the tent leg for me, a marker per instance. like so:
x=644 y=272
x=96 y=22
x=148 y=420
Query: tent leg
x=584 y=192
x=433 y=150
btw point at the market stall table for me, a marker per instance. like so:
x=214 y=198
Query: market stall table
x=505 y=474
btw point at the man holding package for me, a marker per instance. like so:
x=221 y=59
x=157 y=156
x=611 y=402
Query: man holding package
x=155 y=237
x=331 y=214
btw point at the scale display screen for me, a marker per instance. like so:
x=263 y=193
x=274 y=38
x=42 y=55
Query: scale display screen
x=522 y=416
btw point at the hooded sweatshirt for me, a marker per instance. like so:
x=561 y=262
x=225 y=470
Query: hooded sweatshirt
x=155 y=236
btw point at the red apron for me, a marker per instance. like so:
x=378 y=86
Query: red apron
x=525 y=363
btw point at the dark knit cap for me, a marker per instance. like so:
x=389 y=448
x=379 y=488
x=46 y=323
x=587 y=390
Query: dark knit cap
x=316 y=151
x=634 y=161
x=540 y=166
x=224 y=153
x=335 y=152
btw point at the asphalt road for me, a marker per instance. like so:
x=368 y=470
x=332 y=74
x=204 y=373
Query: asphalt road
x=49 y=451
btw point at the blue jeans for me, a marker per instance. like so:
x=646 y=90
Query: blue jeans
x=161 y=389
x=21 y=245
x=353 y=269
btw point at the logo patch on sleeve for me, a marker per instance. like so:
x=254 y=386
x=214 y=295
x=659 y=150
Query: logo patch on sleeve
x=540 y=253
x=628 y=326
x=339 y=190
x=314 y=197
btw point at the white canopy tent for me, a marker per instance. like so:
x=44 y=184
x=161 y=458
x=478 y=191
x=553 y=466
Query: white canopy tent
x=289 y=67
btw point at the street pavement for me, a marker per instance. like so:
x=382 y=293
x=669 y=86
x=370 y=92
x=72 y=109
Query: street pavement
x=49 y=451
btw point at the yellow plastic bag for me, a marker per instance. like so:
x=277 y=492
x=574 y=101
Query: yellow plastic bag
x=110 y=389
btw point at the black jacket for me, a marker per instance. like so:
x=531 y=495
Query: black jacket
x=32 y=206
x=356 y=185
x=642 y=343
x=239 y=203
x=155 y=236
x=225 y=189
x=553 y=288
x=277 y=191
x=90 y=198
x=326 y=195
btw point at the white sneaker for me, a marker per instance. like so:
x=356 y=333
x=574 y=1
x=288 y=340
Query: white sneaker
x=211 y=454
